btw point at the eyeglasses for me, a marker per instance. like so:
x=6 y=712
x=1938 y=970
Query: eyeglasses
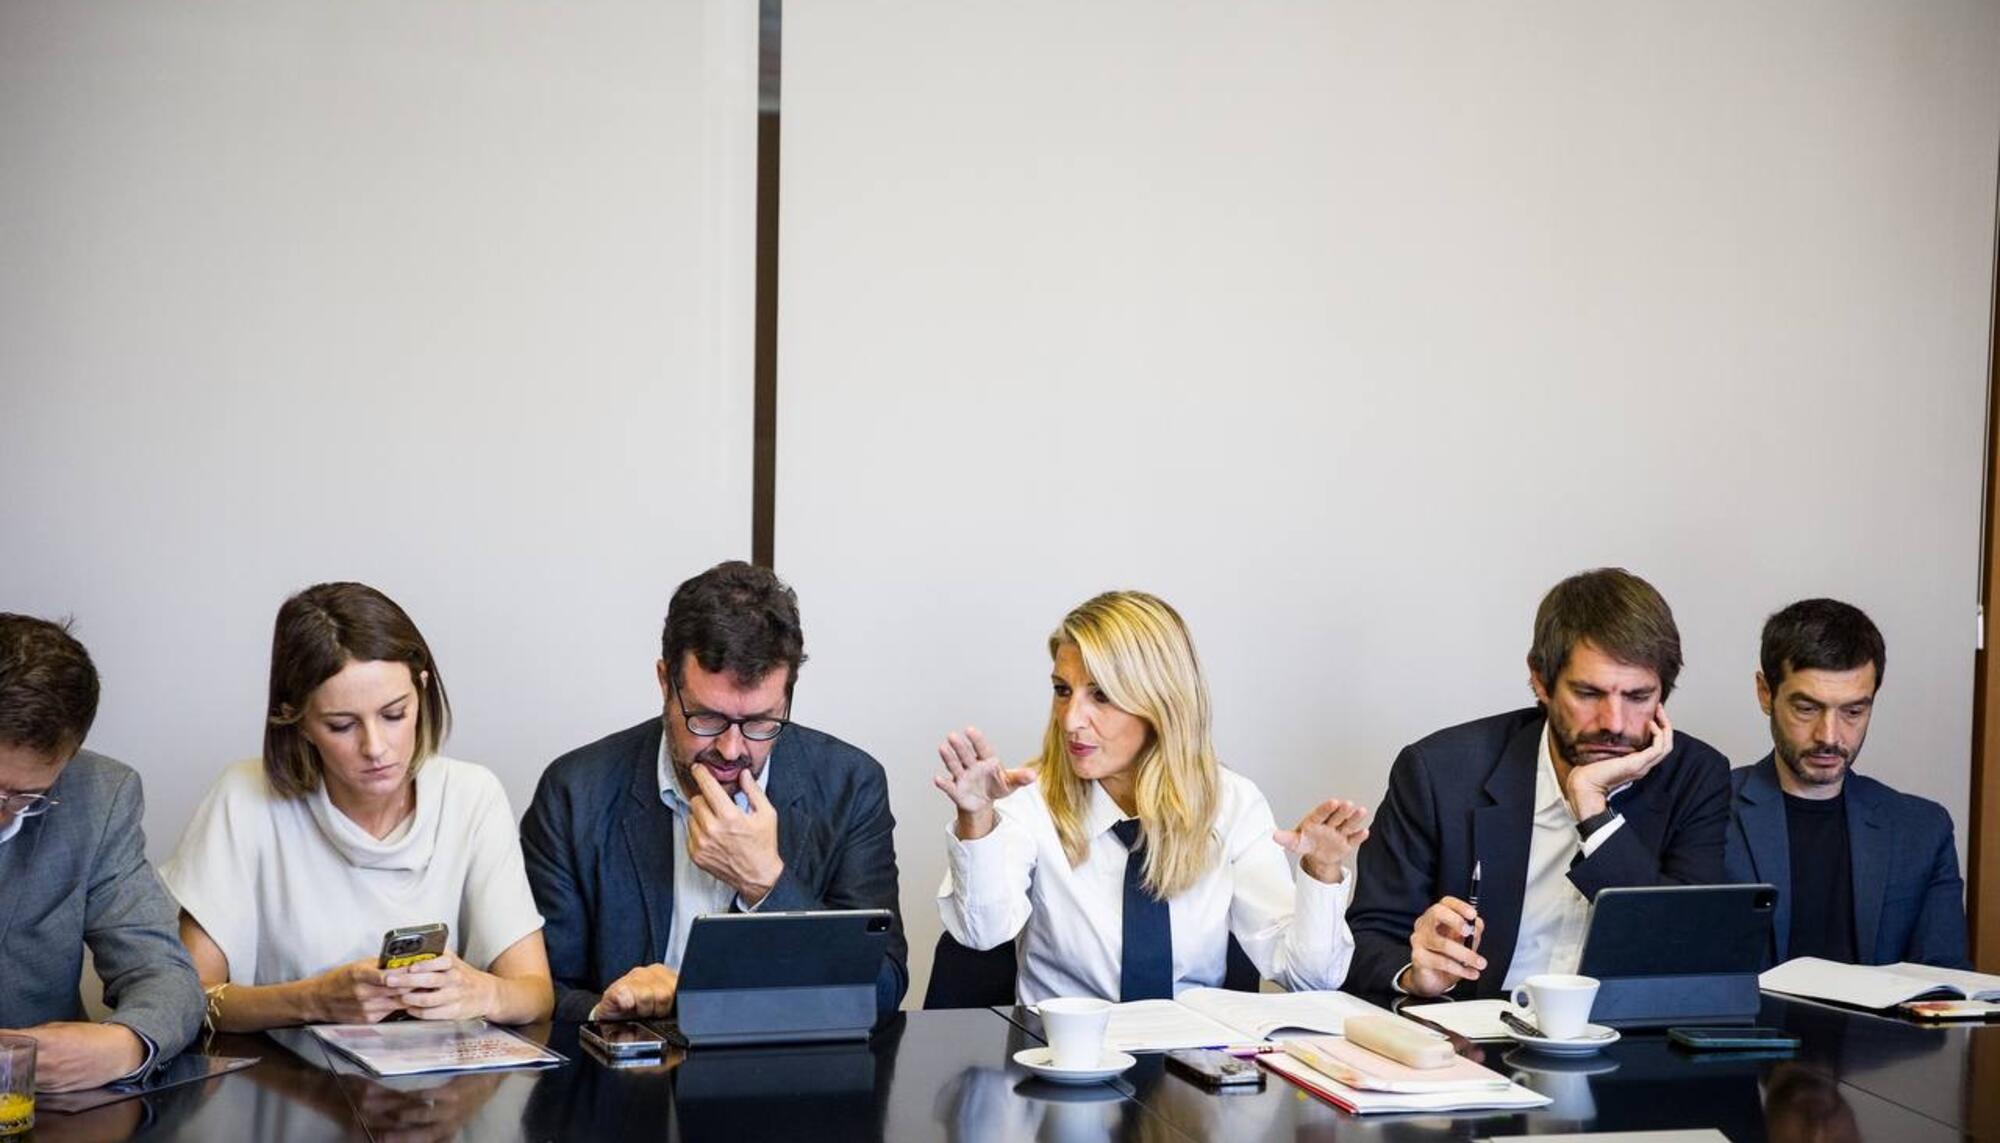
x=28 y=805
x=709 y=724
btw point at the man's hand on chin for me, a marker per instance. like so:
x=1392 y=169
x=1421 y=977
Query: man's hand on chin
x=737 y=848
x=1589 y=786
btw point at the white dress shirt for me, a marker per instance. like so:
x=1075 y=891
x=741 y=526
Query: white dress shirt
x=1554 y=912
x=1018 y=882
x=696 y=890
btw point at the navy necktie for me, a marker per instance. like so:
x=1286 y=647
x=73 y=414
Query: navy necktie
x=1146 y=967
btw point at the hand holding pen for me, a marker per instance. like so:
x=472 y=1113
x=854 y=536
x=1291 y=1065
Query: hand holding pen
x=1444 y=948
x=1472 y=931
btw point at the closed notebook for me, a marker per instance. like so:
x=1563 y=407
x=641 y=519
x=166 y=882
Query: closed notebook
x=1357 y=1067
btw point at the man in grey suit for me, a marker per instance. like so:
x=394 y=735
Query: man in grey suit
x=73 y=872
x=1865 y=874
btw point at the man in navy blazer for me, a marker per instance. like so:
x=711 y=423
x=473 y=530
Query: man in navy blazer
x=1494 y=836
x=720 y=804
x=1865 y=874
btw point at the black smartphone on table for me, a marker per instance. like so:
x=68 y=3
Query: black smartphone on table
x=1217 y=1071
x=624 y=1039
x=1733 y=1039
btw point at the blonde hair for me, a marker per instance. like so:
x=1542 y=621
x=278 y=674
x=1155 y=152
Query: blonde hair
x=1140 y=655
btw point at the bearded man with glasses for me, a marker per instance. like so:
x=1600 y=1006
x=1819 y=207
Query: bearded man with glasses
x=73 y=872
x=720 y=804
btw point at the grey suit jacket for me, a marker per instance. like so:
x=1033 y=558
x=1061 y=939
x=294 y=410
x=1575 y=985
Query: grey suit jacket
x=78 y=875
x=1909 y=903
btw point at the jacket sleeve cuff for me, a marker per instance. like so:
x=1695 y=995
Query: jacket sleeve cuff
x=145 y=1067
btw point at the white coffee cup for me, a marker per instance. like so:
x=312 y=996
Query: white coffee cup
x=1075 y=1026
x=1560 y=1002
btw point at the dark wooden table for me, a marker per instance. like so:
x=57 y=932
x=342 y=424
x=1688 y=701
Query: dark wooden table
x=949 y=1076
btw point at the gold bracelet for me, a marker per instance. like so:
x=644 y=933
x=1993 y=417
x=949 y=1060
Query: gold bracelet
x=212 y=1013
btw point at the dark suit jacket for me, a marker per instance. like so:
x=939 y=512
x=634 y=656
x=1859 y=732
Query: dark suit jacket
x=1467 y=794
x=599 y=846
x=1909 y=903
x=75 y=876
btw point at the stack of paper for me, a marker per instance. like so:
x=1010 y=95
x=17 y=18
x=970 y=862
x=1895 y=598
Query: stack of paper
x=1357 y=1067
x=1467 y=1094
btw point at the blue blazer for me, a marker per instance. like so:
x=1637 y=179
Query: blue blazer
x=1467 y=793
x=599 y=846
x=1909 y=903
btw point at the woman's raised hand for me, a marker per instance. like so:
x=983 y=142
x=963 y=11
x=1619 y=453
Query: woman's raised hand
x=974 y=778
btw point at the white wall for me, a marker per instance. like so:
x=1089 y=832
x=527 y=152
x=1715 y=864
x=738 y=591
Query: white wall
x=1350 y=328
x=453 y=299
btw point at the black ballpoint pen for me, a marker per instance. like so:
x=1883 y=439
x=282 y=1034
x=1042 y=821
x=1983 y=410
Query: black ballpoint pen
x=1473 y=932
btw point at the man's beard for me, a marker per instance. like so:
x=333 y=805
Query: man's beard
x=1571 y=746
x=1793 y=760
x=708 y=756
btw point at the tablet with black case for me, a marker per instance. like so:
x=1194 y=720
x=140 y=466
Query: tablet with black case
x=1677 y=954
x=771 y=978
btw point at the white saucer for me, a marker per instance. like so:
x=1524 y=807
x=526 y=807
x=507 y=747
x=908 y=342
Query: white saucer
x=1038 y=1061
x=1594 y=1036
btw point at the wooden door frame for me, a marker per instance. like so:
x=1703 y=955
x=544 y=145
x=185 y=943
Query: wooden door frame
x=1982 y=897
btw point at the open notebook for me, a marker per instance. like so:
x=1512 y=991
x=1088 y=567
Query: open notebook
x=1214 y=1017
x=1906 y=986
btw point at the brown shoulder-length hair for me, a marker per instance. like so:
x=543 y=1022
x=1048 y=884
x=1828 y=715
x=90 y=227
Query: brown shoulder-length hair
x=319 y=631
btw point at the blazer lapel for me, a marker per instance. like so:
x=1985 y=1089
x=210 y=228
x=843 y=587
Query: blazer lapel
x=1760 y=808
x=787 y=789
x=648 y=826
x=1868 y=851
x=1500 y=836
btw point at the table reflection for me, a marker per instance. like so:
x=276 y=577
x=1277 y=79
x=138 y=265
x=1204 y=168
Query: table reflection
x=1805 y=1106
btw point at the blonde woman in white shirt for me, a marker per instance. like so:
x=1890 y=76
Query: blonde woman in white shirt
x=1125 y=857
x=352 y=824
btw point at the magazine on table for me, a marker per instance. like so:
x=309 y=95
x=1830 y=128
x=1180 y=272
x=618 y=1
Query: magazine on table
x=417 y=1047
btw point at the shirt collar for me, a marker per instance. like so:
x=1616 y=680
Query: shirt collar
x=670 y=792
x=1548 y=791
x=1102 y=814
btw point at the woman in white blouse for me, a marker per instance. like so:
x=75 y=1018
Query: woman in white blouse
x=1040 y=853
x=352 y=824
